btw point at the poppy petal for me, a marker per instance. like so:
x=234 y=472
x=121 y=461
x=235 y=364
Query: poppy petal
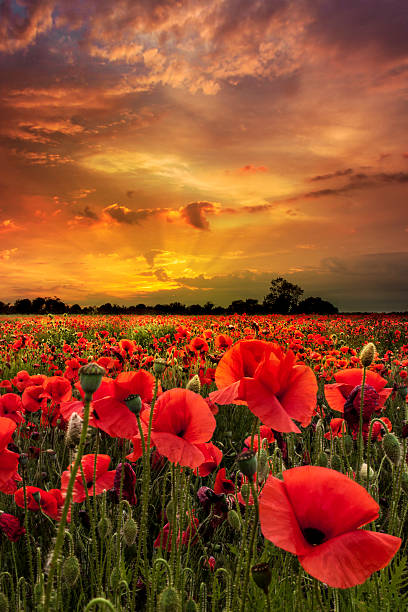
x=299 y=401
x=334 y=396
x=349 y=559
x=278 y=521
x=266 y=406
x=227 y=395
x=328 y=500
x=178 y=450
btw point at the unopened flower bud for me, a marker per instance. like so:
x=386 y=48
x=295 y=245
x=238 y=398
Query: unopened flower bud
x=367 y=354
x=23 y=459
x=404 y=482
x=90 y=377
x=335 y=463
x=4 y=603
x=191 y=606
x=245 y=492
x=234 y=520
x=347 y=444
x=70 y=570
x=104 y=527
x=74 y=430
x=263 y=465
x=130 y=531
x=364 y=472
x=169 y=600
x=115 y=577
x=194 y=384
x=322 y=459
x=247 y=462
x=392 y=448
x=262 y=575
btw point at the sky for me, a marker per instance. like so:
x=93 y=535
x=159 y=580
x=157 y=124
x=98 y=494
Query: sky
x=154 y=151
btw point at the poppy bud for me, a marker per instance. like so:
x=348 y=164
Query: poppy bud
x=104 y=527
x=130 y=530
x=234 y=520
x=392 y=448
x=263 y=465
x=335 y=463
x=37 y=497
x=4 y=603
x=194 y=384
x=115 y=578
x=90 y=377
x=262 y=575
x=159 y=365
x=348 y=444
x=169 y=600
x=404 y=482
x=70 y=570
x=367 y=354
x=74 y=430
x=322 y=459
x=247 y=462
x=134 y=403
x=191 y=606
x=364 y=472
x=23 y=459
x=245 y=492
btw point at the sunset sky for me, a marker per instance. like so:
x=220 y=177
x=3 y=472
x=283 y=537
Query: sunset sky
x=190 y=150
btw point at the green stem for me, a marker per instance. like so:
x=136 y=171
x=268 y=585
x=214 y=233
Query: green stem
x=60 y=534
x=251 y=546
x=360 y=429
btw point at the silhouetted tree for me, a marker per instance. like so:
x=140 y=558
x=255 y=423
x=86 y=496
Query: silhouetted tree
x=315 y=305
x=283 y=296
x=22 y=306
x=38 y=305
x=75 y=309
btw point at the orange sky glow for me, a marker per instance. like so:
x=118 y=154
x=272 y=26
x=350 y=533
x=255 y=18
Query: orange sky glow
x=178 y=150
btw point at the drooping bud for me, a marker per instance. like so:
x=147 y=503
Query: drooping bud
x=367 y=354
x=262 y=575
x=392 y=448
x=263 y=465
x=70 y=570
x=90 y=377
x=104 y=527
x=234 y=520
x=335 y=463
x=169 y=600
x=245 y=492
x=247 y=462
x=322 y=459
x=364 y=472
x=74 y=430
x=130 y=530
x=348 y=444
x=194 y=384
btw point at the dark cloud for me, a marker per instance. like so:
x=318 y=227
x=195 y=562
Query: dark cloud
x=323 y=177
x=161 y=274
x=151 y=255
x=88 y=213
x=194 y=214
x=122 y=214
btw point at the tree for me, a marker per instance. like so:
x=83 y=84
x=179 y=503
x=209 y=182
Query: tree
x=283 y=296
x=315 y=305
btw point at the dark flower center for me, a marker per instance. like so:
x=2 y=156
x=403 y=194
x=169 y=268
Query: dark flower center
x=313 y=536
x=181 y=433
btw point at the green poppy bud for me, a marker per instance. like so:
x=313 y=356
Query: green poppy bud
x=4 y=603
x=347 y=444
x=404 y=482
x=367 y=354
x=336 y=463
x=234 y=520
x=130 y=530
x=194 y=384
x=70 y=570
x=392 y=448
x=322 y=459
x=169 y=600
x=104 y=527
x=191 y=606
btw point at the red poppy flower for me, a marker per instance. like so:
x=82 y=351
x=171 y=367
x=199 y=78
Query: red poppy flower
x=8 y=459
x=315 y=513
x=181 y=421
x=58 y=389
x=165 y=535
x=275 y=388
x=33 y=398
x=212 y=458
x=50 y=502
x=11 y=407
x=266 y=433
x=222 y=484
x=350 y=380
x=104 y=479
x=10 y=526
x=337 y=429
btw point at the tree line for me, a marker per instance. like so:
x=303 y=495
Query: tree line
x=283 y=298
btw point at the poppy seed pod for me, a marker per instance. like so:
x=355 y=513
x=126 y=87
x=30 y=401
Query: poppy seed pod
x=247 y=463
x=90 y=377
x=169 y=600
x=134 y=403
x=322 y=459
x=262 y=575
x=159 y=365
x=194 y=384
x=234 y=520
x=367 y=354
x=392 y=448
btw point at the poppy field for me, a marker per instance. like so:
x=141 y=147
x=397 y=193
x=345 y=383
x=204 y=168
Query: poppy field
x=212 y=463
